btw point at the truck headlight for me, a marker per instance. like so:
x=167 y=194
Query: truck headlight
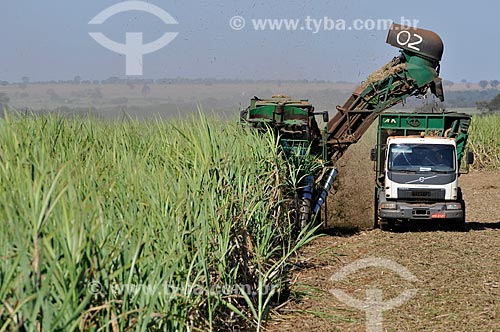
x=453 y=206
x=388 y=206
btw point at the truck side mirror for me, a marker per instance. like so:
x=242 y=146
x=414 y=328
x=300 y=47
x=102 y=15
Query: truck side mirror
x=373 y=154
x=470 y=158
x=325 y=117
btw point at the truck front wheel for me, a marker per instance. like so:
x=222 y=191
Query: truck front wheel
x=386 y=224
x=460 y=225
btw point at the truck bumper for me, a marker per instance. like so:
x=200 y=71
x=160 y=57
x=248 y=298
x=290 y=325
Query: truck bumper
x=418 y=211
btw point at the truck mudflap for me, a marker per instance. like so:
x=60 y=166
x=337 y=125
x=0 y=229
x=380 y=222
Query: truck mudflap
x=414 y=212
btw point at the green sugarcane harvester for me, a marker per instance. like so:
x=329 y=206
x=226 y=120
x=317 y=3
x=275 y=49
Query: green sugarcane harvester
x=412 y=73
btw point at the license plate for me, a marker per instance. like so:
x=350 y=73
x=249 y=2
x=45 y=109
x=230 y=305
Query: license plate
x=438 y=215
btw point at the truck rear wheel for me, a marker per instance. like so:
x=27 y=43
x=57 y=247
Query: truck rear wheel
x=376 y=218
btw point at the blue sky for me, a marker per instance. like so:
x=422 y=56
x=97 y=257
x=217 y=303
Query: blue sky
x=49 y=40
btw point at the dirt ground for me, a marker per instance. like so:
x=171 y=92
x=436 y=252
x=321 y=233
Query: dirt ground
x=458 y=273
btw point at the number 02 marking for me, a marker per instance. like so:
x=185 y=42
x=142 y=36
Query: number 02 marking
x=403 y=38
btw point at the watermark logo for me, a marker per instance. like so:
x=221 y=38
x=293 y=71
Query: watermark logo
x=374 y=304
x=237 y=23
x=182 y=289
x=316 y=25
x=94 y=288
x=134 y=48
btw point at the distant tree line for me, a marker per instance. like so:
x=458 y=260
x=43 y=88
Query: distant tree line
x=484 y=84
x=131 y=82
x=468 y=98
x=489 y=106
x=78 y=80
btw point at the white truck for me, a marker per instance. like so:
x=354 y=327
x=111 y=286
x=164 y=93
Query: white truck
x=418 y=166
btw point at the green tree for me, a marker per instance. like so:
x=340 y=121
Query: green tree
x=494 y=83
x=495 y=104
x=492 y=106
x=483 y=84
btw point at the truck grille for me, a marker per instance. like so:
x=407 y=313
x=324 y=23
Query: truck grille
x=421 y=194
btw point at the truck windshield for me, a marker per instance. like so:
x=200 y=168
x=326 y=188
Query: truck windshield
x=422 y=157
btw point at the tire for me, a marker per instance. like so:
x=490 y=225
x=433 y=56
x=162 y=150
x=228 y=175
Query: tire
x=386 y=225
x=376 y=218
x=460 y=225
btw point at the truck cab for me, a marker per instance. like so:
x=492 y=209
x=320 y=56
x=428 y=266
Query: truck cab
x=417 y=175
